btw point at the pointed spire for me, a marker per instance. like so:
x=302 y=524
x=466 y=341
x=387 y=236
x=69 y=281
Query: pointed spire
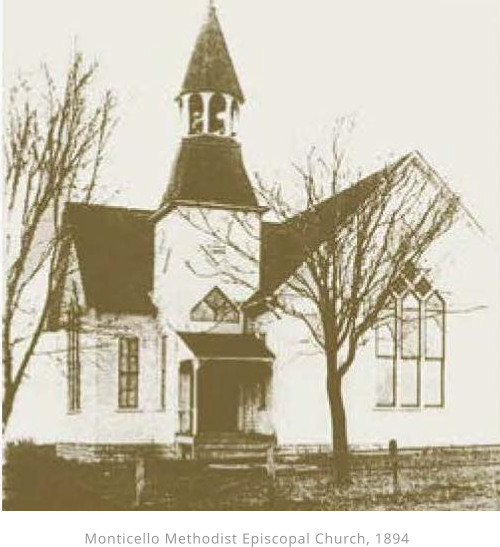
x=211 y=67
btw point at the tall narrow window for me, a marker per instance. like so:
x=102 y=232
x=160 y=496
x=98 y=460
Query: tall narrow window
x=385 y=340
x=433 y=363
x=128 y=373
x=409 y=387
x=163 y=373
x=186 y=397
x=410 y=345
x=74 y=371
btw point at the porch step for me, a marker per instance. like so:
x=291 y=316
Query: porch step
x=232 y=446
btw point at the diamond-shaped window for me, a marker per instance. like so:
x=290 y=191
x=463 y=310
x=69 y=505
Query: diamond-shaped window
x=410 y=271
x=423 y=287
x=400 y=285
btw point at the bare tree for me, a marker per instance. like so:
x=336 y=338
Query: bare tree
x=351 y=245
x=54 y=147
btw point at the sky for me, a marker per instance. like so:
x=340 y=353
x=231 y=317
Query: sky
x=415 y=75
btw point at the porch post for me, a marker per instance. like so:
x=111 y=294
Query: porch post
x=194 y=398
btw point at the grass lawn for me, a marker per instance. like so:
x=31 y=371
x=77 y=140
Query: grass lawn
x=451 y=479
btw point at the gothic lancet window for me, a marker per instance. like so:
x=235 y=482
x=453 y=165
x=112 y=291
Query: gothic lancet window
x=433 y=362
x=217 y=115
x=195 y=114
x=385 y=340
x=409 y=345
x=410 y=351
x=215 y=307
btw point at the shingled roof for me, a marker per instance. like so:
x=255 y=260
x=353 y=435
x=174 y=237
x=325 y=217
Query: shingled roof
x=115 y=249
x=210 y=169
x=115 y=246
x=211 y=67
x=284 y=246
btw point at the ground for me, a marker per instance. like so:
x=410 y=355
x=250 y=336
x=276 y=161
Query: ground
x=452 y=479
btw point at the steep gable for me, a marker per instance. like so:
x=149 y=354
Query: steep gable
x=115 y=249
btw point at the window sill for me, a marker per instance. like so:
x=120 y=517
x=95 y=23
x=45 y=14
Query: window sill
x=129 y=410
x=406 y=408
x=74 y=412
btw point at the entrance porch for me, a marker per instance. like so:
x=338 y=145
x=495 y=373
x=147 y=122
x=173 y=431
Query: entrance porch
x=224 y=399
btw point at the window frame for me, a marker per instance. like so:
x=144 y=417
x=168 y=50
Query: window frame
x=419 y=304
x=442 y=359
x=128 y=391
x=402 y=320
x=74 y=368
x=214 y=318
x=394 y=320
x=163 y=371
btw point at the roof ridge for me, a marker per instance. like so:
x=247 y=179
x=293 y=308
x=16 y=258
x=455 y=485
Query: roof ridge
x=77 y=204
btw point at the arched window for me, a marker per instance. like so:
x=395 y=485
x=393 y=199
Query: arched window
x=410 y=327
x=195 y=114
x=433 y=363
x=217 y=115
x=410 y=345
x=215 y=307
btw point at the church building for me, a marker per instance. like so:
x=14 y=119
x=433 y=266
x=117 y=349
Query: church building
x=157 y=350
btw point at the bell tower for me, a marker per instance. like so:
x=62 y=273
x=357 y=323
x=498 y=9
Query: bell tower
x=211 y=96
x=207 y=232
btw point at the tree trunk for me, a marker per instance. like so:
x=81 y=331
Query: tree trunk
x=7 y=406
x=341 y=464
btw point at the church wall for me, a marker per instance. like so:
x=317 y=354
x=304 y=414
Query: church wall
x=183 y=276
x=100 y=420
x=464 y=269
x=41 y=403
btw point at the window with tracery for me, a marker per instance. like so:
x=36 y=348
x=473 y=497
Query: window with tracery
x=409 y=344
x=215 y=307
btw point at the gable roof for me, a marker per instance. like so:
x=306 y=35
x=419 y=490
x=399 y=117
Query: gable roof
x=114 y=247
x=211 y=67
x=284 y=246
x=210 y=169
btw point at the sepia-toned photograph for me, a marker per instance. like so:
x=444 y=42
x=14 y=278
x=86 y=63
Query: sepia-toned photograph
x=251 y=255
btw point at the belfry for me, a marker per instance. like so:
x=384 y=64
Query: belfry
x=209 y=167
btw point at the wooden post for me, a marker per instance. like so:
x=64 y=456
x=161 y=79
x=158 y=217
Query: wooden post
x=271 y=473
x=140 y=480
x=393 y=454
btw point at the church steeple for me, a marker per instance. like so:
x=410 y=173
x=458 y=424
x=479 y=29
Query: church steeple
x=211 y=94
x=209 y=168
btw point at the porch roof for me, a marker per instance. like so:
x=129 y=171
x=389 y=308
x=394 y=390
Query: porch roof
x=226 y=346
